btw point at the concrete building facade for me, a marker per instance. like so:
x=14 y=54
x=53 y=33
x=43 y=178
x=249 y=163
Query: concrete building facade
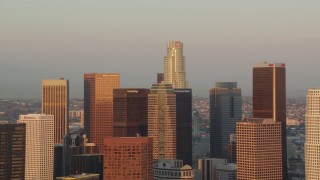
x=55 y=101
x=259 y=149
x=312 y=144
x=39 y=145
x=162 y=121
x=128 y=158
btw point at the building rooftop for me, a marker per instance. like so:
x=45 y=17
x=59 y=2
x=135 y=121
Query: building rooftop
x=257 y=121
x=267 y=64
x=229 y=167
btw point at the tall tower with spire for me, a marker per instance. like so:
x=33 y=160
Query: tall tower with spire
x=174 y=66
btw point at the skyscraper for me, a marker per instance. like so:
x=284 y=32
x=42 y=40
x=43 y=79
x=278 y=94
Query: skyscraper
x=12 y=151
x=269 y=98
x=55 y=101
x=184 y=125
x=225 y=111
x=269 y=91
x=130 y=107
x=174 y=65
x=259 y=150
x=128 y=158
x=98 y=106
x=162 y=121
x=39 y=145
x=312 y=144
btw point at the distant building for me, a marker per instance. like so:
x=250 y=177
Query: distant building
x=130 y=109
x=55 y=101
x=172 y=169
x=232 y=149
x=77 y=115
x=160 y=77
x=184 y=125
x=200 y=150
x=225 y=111
x=128 y=158
x=58 y=161
x=196 y=118
x=208 y=168
x=75 y=145
x=39 y=145
x=312 y=144
x=87 y=163
x=162 y=121
x=226 y=171
x=80 y=177
x=12 y=150
x=259 y=149
x=175 y=65
x=98 y=106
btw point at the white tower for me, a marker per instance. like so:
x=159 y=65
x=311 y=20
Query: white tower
x=39 y=146
x=312 y=145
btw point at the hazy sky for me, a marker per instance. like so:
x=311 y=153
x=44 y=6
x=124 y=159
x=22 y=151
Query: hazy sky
x=45 y=39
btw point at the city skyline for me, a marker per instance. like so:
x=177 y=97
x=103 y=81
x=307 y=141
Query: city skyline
x=94 y=37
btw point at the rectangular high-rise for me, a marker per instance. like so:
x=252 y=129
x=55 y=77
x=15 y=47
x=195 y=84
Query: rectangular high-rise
x=12 y=151
x=259 y=150
x=269 y=98
x=269 y=91
x=128 y=158
x=55 y=101
x=39 y=145
x=184 y=125
x=312 y=144
x=162 y=121
x=130 y=108
x=225 y=111
x=174 y=65
x=98 y=106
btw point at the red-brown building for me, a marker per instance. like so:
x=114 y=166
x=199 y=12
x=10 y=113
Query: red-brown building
x=128 y=158
x=269 y=91
x=269 y=99
x=130 y=112
x=98 y=106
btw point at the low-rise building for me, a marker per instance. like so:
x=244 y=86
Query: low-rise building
x=172 y=169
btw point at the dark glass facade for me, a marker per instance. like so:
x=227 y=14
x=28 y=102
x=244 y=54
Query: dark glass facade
x=225 y=111
x=12 y=151
x=87 y=163
x=269 y=92
x=130 y=107
x=184 y=125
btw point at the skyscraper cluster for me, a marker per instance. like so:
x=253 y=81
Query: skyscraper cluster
x=141 y=133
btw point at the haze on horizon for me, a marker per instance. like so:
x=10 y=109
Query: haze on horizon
x=222 y=41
